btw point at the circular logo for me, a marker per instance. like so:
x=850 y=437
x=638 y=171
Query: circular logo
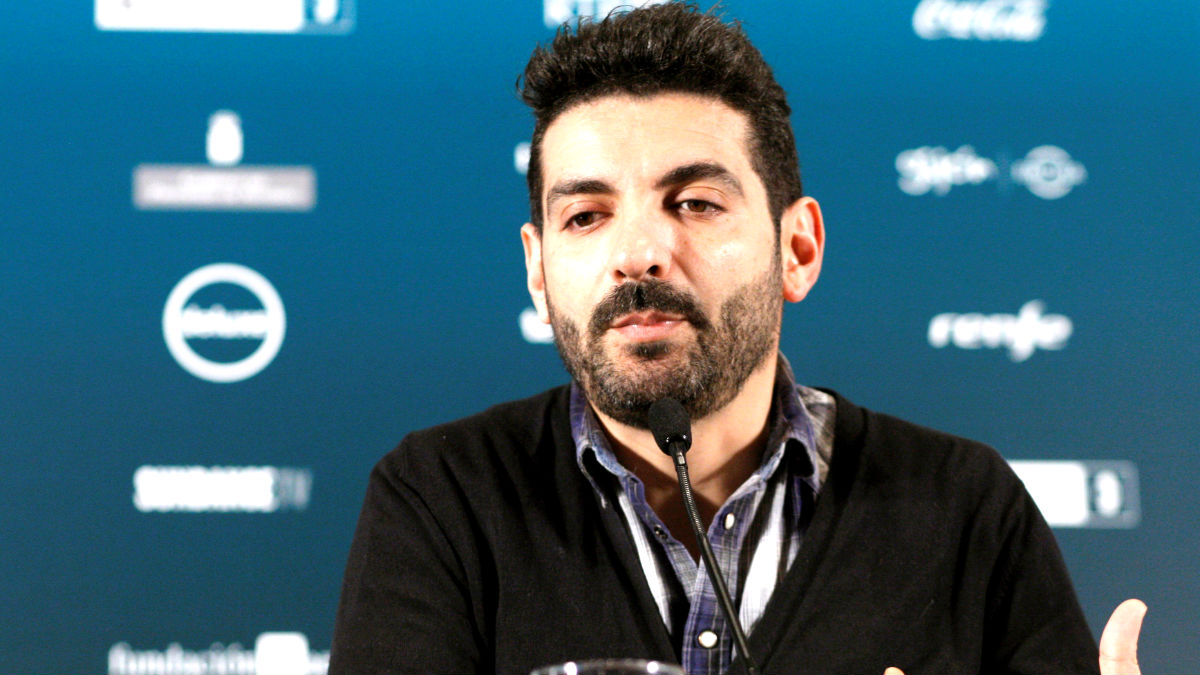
x=182 y=321
x=1049 y=172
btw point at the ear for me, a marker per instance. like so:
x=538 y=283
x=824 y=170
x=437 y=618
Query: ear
x=535 y=279
x=802 y=247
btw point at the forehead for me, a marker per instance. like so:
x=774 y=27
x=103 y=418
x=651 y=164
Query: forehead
x=623 y=138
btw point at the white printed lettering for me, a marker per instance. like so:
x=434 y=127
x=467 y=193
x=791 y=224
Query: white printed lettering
x=937 y=169
x=1016 y=20
x=1022 y=334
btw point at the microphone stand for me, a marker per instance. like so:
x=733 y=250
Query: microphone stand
x=672 y=432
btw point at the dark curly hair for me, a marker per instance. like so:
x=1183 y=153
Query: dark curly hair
x=671 y=47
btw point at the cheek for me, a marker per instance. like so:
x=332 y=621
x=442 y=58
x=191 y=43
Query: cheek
x=720 y=262
x=564 y=289
x=727 y=266
x=572 y=273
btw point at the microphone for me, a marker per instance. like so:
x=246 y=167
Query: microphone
x=672 y=430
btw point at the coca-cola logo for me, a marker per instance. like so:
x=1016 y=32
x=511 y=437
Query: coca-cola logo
x=1017 y=20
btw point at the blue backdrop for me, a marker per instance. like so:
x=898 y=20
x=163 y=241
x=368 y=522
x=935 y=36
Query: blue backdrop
x=1009 y=190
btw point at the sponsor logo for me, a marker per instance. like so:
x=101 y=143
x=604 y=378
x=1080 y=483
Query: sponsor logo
x=936 y=170
x=224 y=141
x=185 y=321
x=521 y=157
x=1017 y=20
x=221 y=489
x=273 y=654
x=222 y=184
x=226 y=16
x=1021 y=333
x=1102 y=494
x=532 y=328
x=557 y=12
x=1047 y=171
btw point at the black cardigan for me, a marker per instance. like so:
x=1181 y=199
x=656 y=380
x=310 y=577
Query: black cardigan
x=481 y=547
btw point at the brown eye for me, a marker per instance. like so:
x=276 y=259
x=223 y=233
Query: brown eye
x=697 y=206
x=585 y=219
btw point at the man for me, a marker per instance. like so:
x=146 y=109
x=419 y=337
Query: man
x=667 y=228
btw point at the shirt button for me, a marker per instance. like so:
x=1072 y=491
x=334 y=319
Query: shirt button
x=707 y=639
x=659 y=532
x=730 y=521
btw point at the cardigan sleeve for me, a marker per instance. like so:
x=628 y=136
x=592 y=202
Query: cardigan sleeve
x=406 y=597
x=1034 y=623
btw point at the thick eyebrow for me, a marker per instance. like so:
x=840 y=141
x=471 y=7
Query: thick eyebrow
x=698 y=171
x=583 y=186
x=680 y=175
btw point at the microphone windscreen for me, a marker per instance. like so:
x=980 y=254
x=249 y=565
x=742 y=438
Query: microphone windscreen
x=670 y=424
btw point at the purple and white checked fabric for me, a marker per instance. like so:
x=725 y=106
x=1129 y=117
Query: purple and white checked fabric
x=754 y=536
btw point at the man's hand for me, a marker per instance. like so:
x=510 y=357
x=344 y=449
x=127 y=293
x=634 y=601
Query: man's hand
x=1118 y=642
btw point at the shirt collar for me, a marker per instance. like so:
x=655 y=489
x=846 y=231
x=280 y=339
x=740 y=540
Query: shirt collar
x=791 y=436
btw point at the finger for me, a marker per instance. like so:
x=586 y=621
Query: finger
x=1118 y=642
x=893 y=670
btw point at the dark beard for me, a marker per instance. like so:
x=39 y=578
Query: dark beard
x=704 y=375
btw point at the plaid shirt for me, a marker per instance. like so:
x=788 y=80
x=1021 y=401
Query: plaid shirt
x=753 y=546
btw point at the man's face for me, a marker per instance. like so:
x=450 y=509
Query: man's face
x=658 y=265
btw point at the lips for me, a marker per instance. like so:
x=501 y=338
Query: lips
x=645 y=310
x=647 y=326
x=645 y=318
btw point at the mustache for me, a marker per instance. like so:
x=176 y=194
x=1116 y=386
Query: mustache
x=640 y=296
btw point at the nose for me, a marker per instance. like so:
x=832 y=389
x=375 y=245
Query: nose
x=643 y=248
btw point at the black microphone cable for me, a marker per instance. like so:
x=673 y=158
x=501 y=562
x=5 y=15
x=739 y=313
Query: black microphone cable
x=672 y=430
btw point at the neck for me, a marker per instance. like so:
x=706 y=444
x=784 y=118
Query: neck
x=726 y=449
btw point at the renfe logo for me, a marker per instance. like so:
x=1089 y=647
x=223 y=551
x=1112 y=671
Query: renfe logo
x=1023 y=333
x=184 y=320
